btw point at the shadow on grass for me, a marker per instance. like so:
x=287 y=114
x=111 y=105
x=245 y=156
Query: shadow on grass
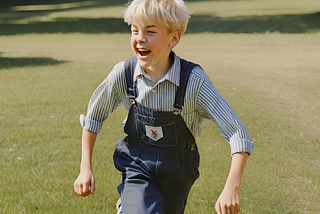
x=10 y=3
x=298 y=23
x=8 y=62
x=68 y=25
x=23 y=9
x=301 y=23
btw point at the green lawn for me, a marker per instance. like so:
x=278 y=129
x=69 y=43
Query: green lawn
x=263 y=56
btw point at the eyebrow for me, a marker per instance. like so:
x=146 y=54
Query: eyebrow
x=151 y=26
x=146 y=27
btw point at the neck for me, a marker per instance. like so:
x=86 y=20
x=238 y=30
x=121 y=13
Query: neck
x=157 y=73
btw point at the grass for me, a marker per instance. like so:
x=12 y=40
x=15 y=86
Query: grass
x=271 y=79
x=277 y=78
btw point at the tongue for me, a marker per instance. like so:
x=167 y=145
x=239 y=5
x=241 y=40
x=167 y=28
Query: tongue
x=144 y=53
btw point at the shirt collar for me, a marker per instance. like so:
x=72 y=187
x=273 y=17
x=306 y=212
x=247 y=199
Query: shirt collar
x=173 y=74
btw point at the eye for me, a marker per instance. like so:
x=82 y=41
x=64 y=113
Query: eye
x=134 y=31
x=151 y=32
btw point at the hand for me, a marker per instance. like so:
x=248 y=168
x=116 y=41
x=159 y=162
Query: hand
x=228 y=202
x=84 y=185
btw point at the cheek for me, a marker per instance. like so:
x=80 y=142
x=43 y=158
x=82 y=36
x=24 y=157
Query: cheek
x=132 y=42
x=163 y=41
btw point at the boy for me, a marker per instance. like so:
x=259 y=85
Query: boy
x=167 y=98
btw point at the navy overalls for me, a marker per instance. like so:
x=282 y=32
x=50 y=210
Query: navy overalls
x=158 y=159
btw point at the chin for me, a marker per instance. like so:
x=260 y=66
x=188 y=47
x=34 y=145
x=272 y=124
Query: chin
x=143 y=63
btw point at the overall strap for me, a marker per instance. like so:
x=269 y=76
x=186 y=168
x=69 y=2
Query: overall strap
x=129 y=66
x=186 y=69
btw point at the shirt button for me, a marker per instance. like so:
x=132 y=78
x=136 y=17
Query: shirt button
x=154 y=91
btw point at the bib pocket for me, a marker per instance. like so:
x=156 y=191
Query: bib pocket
x=160 y=136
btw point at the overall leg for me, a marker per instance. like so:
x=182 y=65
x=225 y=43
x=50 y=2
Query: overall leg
x=138 y=190
x=180 y=175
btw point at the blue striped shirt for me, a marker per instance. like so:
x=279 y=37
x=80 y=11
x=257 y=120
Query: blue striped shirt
x=202 y=101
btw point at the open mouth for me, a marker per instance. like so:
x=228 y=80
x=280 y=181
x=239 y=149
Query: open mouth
x=143 y=51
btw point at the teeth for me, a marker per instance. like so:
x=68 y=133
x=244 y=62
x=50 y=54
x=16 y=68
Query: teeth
x=143 y=50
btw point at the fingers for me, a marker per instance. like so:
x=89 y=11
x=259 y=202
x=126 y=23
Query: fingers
x=85 y=190
x=76 y=187
x=92 y=187
x=82 y=189
x=84 y=185
x=218 y=208
x=238 y=208
x=227 y=209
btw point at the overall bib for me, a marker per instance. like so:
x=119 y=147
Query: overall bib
x=158 y=159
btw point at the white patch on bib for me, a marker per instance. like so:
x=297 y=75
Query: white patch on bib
x=154 y=132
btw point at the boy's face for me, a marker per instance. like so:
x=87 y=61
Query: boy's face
x=152 y=45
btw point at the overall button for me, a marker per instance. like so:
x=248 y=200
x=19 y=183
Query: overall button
x=154 y=91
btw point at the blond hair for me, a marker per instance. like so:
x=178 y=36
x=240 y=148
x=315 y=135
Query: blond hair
x=173 y=13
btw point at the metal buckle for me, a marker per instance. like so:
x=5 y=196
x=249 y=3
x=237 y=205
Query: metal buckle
x=132 y=98
x=176 y=111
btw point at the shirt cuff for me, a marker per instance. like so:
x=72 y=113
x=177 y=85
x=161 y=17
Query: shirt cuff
x=240 y=145
x=90 y=125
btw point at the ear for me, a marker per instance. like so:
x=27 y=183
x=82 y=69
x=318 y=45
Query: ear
x=175 y=39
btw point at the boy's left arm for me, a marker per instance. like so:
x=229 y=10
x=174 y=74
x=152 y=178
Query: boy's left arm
x=211 y=105
x=229 y=200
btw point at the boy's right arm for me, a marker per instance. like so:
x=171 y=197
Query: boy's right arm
x=84 y=185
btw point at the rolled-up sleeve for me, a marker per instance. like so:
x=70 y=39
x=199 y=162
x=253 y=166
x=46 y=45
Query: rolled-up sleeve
x=211 y=105
x=105 y=99
x=89 y=124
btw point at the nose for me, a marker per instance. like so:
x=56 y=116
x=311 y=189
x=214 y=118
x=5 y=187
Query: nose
x=140 y=38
